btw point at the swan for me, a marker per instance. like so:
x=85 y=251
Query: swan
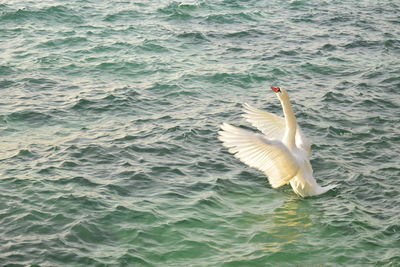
x=282 y=152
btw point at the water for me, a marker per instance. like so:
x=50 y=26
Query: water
x=109 y=113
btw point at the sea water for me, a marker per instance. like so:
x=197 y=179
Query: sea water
x=109 y=117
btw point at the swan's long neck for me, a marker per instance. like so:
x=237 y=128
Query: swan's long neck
x=290 y=121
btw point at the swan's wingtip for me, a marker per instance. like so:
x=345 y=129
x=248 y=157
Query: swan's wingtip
x=224 y=125
x=248 y=107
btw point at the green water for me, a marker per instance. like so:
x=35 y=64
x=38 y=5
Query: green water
x=109 y=113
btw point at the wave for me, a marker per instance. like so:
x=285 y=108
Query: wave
x=67 y=42
x=123 y=16
x=29 y=117
x=179 y=10
x=52 y=14
x=232 y=18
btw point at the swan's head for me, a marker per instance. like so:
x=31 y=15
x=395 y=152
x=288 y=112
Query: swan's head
x=280 y=93
x=276 y=89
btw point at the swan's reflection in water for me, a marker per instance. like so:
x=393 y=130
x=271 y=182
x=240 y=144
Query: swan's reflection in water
x=288 y=224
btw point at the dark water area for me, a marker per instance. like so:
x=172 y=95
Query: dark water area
x=109 y=114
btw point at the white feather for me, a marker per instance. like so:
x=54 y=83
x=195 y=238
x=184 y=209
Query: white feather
x=269 y=156
x=273 y=126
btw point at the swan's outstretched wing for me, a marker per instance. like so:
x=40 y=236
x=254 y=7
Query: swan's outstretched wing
x=270 y=156
x=273 y=126
x=269 y=124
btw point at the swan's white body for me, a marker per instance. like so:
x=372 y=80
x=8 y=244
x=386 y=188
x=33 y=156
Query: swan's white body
x=281 y=151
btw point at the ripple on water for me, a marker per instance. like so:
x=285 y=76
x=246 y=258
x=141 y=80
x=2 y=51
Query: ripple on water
x=4 y=71
x=53 y=14
x=122 y=16
x=33 y=118
x=178 y=10
x=152 y=46
x=63 y=43
x=196 y=37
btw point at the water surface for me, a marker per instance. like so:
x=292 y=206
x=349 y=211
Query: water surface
x=109 y=114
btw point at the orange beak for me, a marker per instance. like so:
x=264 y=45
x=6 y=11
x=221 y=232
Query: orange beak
x=276 y=89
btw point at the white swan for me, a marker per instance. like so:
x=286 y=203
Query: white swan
x=281 y=152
